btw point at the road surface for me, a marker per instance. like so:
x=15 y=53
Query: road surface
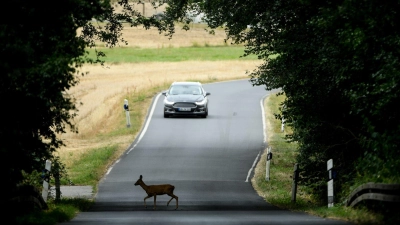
x=209 y=160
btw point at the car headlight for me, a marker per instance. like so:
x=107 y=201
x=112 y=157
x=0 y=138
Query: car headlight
x=201 y=102
x=168 y=103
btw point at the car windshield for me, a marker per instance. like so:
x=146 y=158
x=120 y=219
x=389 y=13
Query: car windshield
x=185 y=90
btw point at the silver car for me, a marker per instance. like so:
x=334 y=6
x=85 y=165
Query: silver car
x=186 y=98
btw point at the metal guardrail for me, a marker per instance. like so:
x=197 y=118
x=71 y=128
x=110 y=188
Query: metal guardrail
x=374 y=192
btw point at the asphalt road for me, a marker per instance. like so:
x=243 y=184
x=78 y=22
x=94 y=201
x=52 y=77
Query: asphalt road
x=209 y=161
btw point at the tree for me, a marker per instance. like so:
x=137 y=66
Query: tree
x=41 y=54
x=337 y=64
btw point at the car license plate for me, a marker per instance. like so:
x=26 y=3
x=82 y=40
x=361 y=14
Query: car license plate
x=184 y=109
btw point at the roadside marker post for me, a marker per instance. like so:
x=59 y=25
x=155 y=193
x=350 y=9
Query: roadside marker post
x=46 y=180
x=269 y=158
x=283 y=119
x=331 y=175
x=128 y=118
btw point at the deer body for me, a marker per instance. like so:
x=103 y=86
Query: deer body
x=154 y=190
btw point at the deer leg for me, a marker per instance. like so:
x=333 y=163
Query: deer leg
x=172 y=197
x=145 y=200
x=169 y=201
x=155 y=196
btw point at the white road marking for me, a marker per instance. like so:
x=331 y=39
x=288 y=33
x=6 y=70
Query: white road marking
x=141 y=134
x=251 y=169
x=109 y=169
x=147 y=123
x=264 y=133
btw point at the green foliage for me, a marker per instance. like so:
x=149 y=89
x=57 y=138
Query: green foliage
x=59 y=170
x=58 y=212
x=41 y=56
x=337 y=64
x=37 y=58
x=34 y=179
x=277 y=190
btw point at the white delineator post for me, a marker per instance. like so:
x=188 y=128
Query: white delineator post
x=283 y=120
x=47 y=169
x=128 y=118
x=269 y=157
x=331 y=197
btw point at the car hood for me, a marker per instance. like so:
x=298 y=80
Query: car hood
x=185 y=98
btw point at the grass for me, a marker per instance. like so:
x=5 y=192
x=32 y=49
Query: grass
x=277 y=190
x=171 y=54
x=63 y=211
x=93 y=164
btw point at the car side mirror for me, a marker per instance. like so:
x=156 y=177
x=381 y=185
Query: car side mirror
x=164 y=93
x=208 y=93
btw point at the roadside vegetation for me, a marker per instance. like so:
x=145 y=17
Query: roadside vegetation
x=340 y=86
x=278 y=190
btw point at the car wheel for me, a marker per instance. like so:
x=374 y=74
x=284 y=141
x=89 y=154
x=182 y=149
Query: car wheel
x=165 y=115
x=205 y=114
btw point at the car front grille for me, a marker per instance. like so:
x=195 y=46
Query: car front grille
x=184 y=104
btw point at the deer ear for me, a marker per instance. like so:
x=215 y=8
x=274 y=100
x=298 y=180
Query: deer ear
x=141 y=177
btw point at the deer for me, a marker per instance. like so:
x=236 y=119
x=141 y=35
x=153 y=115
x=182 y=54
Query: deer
x=154 y=190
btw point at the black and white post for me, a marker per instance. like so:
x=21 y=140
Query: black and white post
x=46 y=180
x=331 y=198
x=283 y=120
x=269 y=157
x=128 y=118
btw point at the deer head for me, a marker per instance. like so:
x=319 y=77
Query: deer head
x=139 y=181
